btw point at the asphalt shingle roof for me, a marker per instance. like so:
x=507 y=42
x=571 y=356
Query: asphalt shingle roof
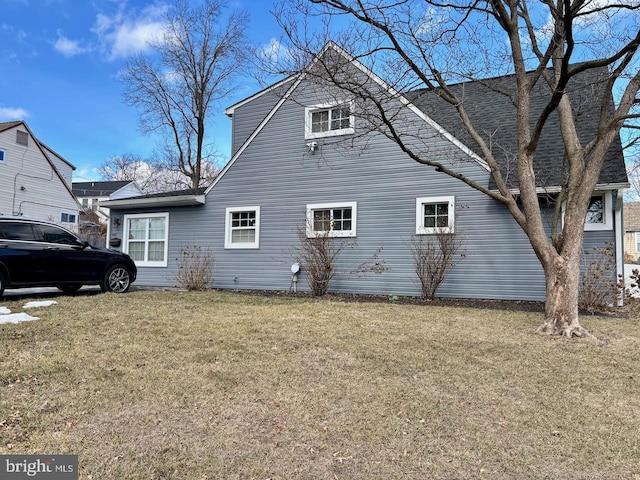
x=7 y=125
x=494 y=116
x=98 y=189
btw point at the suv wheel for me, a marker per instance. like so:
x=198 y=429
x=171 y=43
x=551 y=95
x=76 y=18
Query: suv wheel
x=117 y=280
x=2 y=283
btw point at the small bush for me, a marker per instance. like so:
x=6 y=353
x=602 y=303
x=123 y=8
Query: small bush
x=434 y=256
x=195 y=268
x=598 y=285
x=318 y=254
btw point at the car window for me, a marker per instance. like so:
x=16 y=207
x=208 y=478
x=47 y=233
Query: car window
x=51 y=234
x=18 y=231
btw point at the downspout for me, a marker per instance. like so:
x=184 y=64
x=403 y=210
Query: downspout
x=108 y=237
x=619 y=233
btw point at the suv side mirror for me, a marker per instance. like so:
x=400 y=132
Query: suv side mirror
x=82 y=243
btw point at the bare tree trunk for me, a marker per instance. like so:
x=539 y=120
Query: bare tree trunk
x=561 y=305
x=562 y=276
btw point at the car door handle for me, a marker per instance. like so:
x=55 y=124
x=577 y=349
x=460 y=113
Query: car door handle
x=52 y=248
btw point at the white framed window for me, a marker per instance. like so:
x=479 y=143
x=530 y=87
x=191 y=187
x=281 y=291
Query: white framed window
x=333 y=219
x=146 y=238
x=242 y=227
x=637 y=242
x=328 y=120
x=69 y=216
x=599 y=213
x=435 y=215
x=1 y=156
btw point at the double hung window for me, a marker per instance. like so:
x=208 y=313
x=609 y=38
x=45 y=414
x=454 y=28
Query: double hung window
x=242 y=227
x=147 y=238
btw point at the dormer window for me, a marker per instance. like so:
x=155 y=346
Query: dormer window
x=328 y=120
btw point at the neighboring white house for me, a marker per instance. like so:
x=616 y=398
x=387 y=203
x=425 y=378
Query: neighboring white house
x=89 y=194
x=35 y=181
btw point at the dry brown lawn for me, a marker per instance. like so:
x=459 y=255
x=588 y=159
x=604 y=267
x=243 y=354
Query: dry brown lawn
x=158 y=385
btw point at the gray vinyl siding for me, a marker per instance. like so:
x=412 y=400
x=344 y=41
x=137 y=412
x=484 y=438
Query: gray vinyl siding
x=277 y=173
x=284 y=178
x=186 y=228
x=30 y=186
x=246 y=118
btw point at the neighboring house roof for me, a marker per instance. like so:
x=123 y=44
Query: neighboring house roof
x=49 y=149
x=43 y=149
x=98 y=189
x=631 y=215
x=7 y=125
x=493 y=113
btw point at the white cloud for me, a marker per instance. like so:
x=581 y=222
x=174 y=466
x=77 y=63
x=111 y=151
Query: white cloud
x=8 y=114
x=274 y=52
x=127 y=33
x=68 y=47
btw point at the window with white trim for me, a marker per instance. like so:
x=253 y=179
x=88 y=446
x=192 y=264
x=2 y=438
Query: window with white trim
x=328 y=120
x=1 y=156
x=599 y=214
x=146 y=238
x=435 y=215
x=637 y=245
x=242 y=227
x=333 y=219
x=69 y=216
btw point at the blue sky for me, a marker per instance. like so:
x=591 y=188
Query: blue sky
x=61 y=59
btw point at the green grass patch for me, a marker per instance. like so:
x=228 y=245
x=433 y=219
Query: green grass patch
x=210 y=385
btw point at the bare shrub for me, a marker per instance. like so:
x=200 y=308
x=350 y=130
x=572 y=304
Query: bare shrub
x=598 y=285
x=92 y=228
x=434 y=256
x=629 y=289
x=195 y=268
x=317 y=255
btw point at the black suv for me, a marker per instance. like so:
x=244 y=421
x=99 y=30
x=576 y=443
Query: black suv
x=35 y=253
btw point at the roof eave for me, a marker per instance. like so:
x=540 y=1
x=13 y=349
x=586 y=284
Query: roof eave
x=230 y=110
x=173 y=201
x=558 y=189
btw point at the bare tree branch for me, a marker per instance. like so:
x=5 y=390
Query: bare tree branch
x=192 y=66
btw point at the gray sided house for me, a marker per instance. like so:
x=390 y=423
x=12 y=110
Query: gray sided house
x=300 y=162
